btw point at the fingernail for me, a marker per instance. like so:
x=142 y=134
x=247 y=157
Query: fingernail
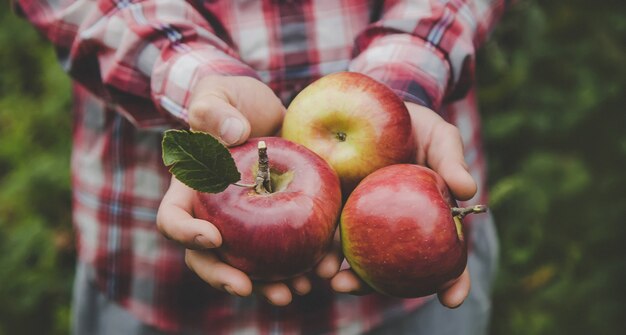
x=231 y=130
x=456 y=305
x=203 y=241
x=230 y=290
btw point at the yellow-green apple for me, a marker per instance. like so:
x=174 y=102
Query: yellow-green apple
x=281 y=226
x=354 y=122
x=402 y=233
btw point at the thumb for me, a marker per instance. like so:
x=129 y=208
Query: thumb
x=211 y=111
x=446 y=157
x=440 y=146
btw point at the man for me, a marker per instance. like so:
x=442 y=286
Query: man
x=229 y=68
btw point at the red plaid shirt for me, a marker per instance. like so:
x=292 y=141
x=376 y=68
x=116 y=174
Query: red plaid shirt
x=136 y=62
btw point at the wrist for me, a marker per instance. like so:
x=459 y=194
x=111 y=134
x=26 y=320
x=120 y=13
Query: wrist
x=175 y=77
x=411 y=67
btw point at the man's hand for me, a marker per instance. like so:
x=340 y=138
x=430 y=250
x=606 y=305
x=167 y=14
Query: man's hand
x=199 y=237
x=439 y=146
x=233 y=109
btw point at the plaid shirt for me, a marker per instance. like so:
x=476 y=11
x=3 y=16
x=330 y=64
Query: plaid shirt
x=135 y=63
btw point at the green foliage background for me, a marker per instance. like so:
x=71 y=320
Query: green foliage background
x=36 y=255
x=552 y=92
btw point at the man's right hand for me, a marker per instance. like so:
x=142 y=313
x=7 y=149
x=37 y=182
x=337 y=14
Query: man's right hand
x=233 y=109
x=199 y=237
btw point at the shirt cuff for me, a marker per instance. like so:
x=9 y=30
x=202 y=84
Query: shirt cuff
x=173 y=79
x=413 y=68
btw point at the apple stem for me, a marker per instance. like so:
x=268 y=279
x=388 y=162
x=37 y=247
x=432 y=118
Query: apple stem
x=244 y=185
x=263 y=185
x=462 y=212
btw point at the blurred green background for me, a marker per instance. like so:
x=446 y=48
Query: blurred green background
x=552 y=92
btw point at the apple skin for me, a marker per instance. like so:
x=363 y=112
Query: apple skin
x=354 y=122
x=398 y=232
x=282 y=234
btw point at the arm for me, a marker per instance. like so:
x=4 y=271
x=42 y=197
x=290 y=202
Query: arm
x=143 y=57
x=425 y=50
x=159 y=61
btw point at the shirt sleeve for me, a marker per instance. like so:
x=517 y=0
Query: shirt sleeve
x=143 y=57
x=425 y=50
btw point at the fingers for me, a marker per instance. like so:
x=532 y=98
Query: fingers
x=331 y=263
x=258 y=103
x=276 y=293
x=446 y=158
x=300 y=285
x=454 y=293
x=235 y=108
x=281 y=293
x=226 y=278
x=217 y=273
x=346 y=281
x=439 y=146
x=451 y=295
x=211 y=111
x=174 y=220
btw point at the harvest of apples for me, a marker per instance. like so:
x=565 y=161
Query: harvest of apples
x=344 y=158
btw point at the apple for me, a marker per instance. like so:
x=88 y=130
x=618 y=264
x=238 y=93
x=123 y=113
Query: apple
x=354 y=122
x=284 y=228
x=402 y=233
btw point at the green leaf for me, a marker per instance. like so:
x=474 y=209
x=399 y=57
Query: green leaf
x=199 y=160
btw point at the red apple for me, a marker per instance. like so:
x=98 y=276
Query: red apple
x=282 y=233
x=354 y=122
x=400 y=234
